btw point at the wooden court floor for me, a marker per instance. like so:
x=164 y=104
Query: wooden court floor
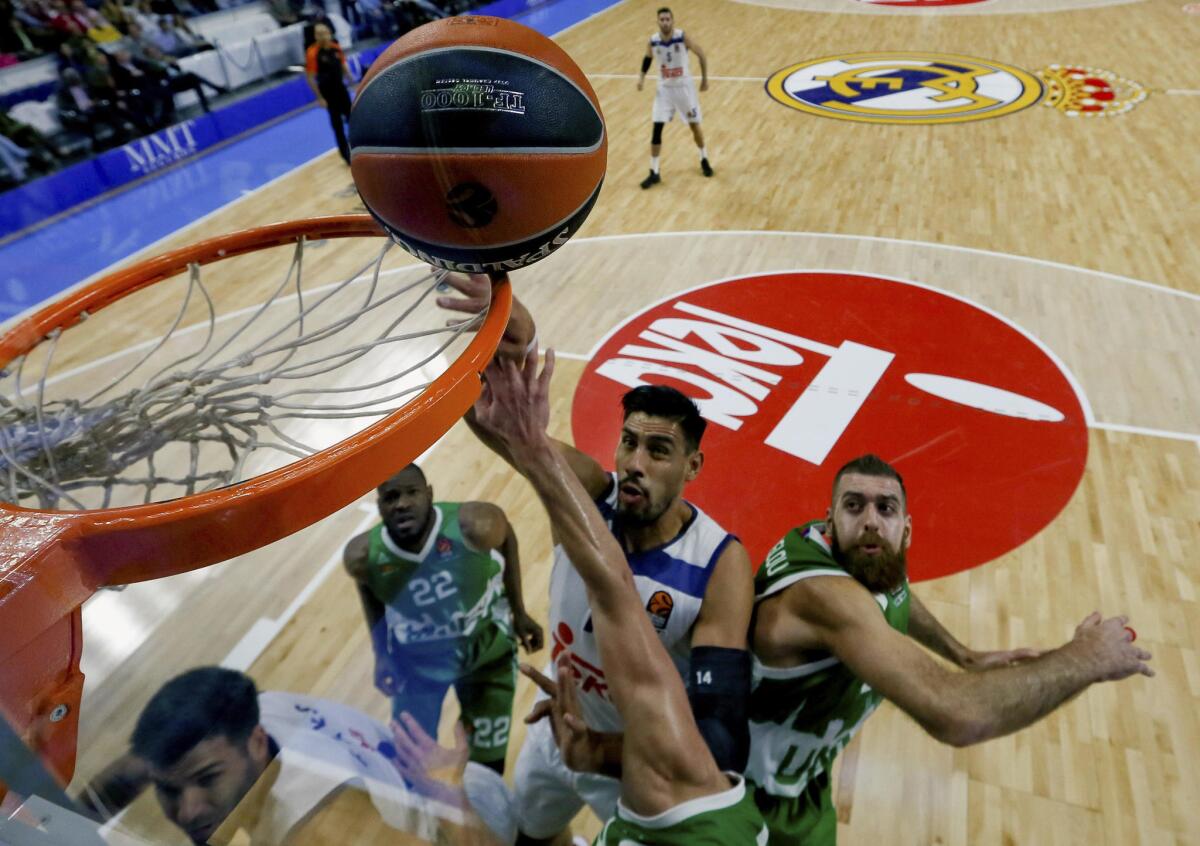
x=1050 y=210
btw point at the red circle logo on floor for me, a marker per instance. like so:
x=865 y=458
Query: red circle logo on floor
x=798 y=373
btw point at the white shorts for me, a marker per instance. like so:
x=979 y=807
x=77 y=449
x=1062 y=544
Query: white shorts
x=548 y=795
x=669 y=99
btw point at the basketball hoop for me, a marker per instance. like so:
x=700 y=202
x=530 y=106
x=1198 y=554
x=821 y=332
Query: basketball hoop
x=76 y=461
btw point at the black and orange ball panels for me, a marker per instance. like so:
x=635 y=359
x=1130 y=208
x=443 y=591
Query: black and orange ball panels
x=478 y=143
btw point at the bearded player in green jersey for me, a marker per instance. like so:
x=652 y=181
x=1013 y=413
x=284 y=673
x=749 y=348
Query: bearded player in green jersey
x=440 y=584
x=833 y=635
x=672 y=791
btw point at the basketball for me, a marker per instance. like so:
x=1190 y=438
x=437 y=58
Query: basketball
x=478 y=144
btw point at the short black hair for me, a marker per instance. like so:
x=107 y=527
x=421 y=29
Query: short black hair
x=665 y=401
x=398 y=473
x=664 y=9
x=871 y=465
x=192 y=707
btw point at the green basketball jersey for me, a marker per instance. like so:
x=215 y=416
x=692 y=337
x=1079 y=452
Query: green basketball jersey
x=436 y=598
x=729 y=818
x=802 y=717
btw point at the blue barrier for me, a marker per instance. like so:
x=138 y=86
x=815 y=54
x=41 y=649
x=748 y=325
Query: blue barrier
x=34 y=202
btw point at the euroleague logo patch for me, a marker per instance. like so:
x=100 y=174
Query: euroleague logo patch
x=904 y=88
x=799 y=372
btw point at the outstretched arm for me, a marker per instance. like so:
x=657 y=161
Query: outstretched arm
x=520 y=339
x=927 y=631
x=354 y=559
x=486 y=528
x=664 y=756
x=840 y=616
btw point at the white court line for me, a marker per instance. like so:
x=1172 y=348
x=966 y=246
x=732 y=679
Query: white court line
x=134 y=256
x=265 y=629
x=708 y=233
x=1142 y=430
x=759 y=79
x=588 y=18
x=1187 y=92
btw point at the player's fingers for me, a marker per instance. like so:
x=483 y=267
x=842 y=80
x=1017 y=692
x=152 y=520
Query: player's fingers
x=1090 y=620
x=470 y=305
x=547 y=370
x=1143 y=655
x=575 y=723
x=462 y=283
x=568 y=692
x=420 y=738
x=539 y=712
x=546 y=684
x=405 y=748
x=1121 y=620
x=460 y=736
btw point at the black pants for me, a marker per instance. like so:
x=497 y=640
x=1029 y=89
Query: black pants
x=337 y=100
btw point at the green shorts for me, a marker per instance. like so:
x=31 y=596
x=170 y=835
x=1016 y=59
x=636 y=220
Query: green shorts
x=723 y=819
x=483 y=671
x=809 y=819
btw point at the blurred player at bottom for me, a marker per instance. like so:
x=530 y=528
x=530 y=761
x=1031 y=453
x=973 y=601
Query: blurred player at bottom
x=231 y=766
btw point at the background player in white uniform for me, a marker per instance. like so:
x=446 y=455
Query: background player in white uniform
x=672 y=793
x=281 y=766
x=694 y=581
x=676 y=91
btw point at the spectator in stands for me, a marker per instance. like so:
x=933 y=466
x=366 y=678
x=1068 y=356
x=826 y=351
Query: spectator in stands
x=145 y=88
x=283 y=11
x=38 y=145
x=179 y=79
x=13 y=158
x=327 y=75
x=14 y=40
x=99 y=28
x=136 y=41
x=164 y=38
x=64 y=22
x=84 y=109
x=143 y=16
x=191 y=39
x=116 y=14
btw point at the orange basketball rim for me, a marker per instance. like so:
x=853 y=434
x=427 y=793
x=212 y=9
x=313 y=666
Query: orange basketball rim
x=52 y=561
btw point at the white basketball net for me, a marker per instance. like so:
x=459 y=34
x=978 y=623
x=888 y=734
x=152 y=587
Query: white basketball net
x=226 y=397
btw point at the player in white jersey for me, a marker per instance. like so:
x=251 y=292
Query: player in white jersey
x=693 y=578
x=228 y=763
x=676 y=91
x=672 y=792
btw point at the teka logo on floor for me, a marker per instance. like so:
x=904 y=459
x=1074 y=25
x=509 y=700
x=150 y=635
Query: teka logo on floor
x=904 y=88
x=798 y=373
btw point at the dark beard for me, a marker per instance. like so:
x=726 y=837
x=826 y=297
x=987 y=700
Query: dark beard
x=638 y=520
x=881 y=573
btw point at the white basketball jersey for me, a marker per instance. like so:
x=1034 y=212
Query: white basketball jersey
x=672 y=57
x=324 y=745
x=671 y=580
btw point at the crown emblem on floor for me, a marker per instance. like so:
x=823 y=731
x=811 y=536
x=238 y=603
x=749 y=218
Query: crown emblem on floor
x=1089 y=92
